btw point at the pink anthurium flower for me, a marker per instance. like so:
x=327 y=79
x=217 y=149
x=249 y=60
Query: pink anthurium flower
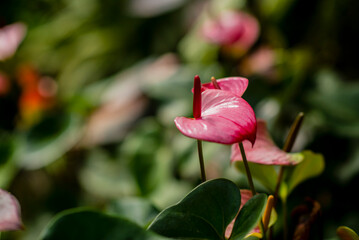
x=9 y=212
x=264 y=151
x=219 y=116
x=226 y=29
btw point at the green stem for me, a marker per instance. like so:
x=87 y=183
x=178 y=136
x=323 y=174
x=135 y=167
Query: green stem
x=250 y=180
x=292 y=135
x=201 y=161
x=248 y=172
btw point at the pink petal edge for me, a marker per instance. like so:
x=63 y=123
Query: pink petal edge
x=236 y=85
x=10 y=218
x=264 y=151
x=226 y=118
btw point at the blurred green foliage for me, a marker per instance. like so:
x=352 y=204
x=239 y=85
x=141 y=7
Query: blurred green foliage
x=116 y=74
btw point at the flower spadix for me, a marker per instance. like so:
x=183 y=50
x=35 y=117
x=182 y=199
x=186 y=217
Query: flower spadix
x=264 y=151
x=224 y=116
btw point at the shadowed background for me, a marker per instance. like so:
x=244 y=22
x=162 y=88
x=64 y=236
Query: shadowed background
x=88 y=99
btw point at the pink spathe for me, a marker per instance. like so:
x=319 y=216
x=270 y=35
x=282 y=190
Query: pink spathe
x=225 y=118
x=264 y=151
x=235 y=85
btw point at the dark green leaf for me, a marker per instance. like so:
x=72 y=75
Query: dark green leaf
x=78 y=224
x=204 y=213
x=249 y=216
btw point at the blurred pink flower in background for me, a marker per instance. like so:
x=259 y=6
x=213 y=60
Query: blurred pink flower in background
x=10 y=38
x=261 y=62
x=10 y=217
x=234 y=30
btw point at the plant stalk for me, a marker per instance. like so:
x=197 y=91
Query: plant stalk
x=201 y=161
x=250 y=181
x=292 y=135
x=248 y=172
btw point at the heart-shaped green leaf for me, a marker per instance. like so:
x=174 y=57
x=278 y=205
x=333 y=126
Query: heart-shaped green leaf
x=204 y=213
x=311 y=166
x=91 y=225
x=249 y=216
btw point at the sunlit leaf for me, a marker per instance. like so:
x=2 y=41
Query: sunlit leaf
x=311 y=166
x=196 y=216
x=265 y=174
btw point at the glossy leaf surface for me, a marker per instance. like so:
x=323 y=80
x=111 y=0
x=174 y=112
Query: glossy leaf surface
x=249 y=216
x=91 y=225
x=203 y=214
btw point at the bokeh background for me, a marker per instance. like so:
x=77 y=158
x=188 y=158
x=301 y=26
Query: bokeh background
x=88 y=99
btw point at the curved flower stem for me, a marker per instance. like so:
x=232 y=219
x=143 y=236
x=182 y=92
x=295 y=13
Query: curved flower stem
x=292 y=135
x=250 y=181
x=248 y=172
x=201 y=161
